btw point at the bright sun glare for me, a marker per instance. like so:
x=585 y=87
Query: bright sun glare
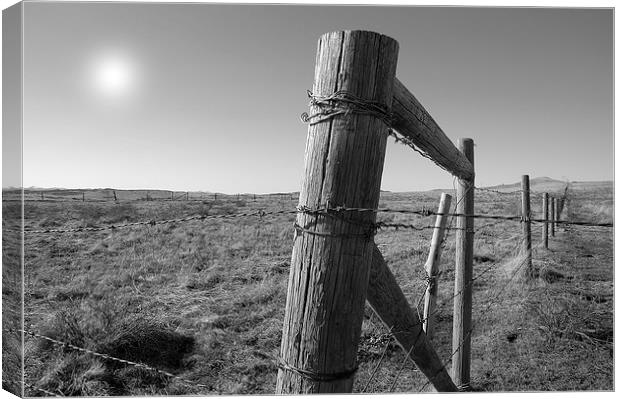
x=113 y=76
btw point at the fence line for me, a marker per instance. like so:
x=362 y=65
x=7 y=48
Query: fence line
x=501 y=290
x=422 y=212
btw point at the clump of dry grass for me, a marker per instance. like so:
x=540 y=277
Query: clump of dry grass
x=131 y=337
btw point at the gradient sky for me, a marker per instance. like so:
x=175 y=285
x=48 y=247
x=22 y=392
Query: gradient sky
x=208 y=97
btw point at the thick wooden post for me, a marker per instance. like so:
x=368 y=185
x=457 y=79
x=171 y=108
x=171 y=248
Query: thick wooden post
x=432 y=264
x=553 y=204
x=545 y=226
x=461 y=330
x=390 y=304
x=526 y=216
x=331 y=256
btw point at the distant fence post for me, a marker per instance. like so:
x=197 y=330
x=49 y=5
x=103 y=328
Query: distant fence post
x=553 y=204
x=83 y=196
x=42 y=198
x=545 y=226
x=432 y=264
x=115 y=199
x=331 y=257
x=464 y=258
x=526 y=216
x=187 y=196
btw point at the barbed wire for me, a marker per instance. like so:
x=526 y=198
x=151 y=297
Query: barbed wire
x=63 y=344
x=511 y=193
x=500 y=291
x=33 y=387
x=323 y=210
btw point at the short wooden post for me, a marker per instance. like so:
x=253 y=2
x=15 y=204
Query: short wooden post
x=545 y=226
x=331 y=257
x=187 y=196
x=432 y=264
x=215 y=196
x=464 y=258
x=254 y=197
x=83 y=196
x=115 y=199
x=526 y=216
x=553 y=204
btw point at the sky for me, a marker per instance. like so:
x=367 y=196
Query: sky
x=208 y=96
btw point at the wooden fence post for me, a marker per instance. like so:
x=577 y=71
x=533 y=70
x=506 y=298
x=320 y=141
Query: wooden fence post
x=526 y=216
x=553 y=203
x=115 y=199
x=461 y=331
x=432 y=264
x=331 y=257
x=187 y=196
x=83 y=196
x=545 y=226
x=215 y=196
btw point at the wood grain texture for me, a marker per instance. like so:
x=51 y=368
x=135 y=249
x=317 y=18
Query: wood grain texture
x=432 y=264
x=526 y=224
x=545 y=226
x=552 y=212
x=413 y=122
x=390 y=304
x=343 y=167
x=464 y=256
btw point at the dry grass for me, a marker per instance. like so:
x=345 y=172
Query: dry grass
x=205 y=300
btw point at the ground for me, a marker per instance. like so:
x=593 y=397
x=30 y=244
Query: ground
x=199 y=304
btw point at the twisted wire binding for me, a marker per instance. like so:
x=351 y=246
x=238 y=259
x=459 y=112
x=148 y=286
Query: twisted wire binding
x=344 y=103
x=62 y=344
x=315 y=375
x=369 y=234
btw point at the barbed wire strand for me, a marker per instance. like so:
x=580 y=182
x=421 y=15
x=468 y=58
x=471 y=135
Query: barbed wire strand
x=500 y=291
x=33 y=387
x=62 y=344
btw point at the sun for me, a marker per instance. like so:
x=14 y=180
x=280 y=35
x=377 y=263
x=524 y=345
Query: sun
x=113 y=76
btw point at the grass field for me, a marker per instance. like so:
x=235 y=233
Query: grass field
x=204 y=300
